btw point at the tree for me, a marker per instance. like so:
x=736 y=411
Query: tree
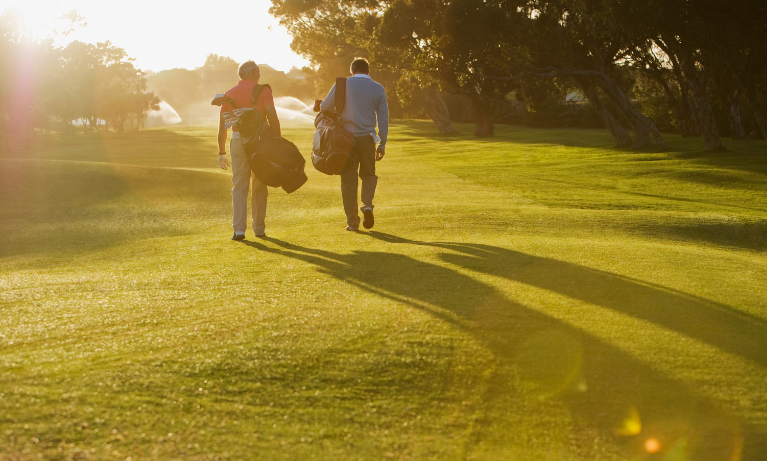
x=583 y=40
x=707 y=47
x=99 y=82
x=331 y=34
x=452 y=45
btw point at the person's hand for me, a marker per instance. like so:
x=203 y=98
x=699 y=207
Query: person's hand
x=380 y=152
x=223 y=162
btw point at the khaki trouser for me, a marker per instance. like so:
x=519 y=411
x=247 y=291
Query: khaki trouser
x=363 y=160
x=241 y=178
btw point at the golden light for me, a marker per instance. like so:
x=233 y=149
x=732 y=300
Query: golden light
x=652 y=445
x=147 y=29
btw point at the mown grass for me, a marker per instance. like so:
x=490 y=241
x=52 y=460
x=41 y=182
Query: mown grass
x=540 y=295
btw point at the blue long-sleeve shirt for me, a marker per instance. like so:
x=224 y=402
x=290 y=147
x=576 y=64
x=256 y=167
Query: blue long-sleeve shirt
x=365 y=104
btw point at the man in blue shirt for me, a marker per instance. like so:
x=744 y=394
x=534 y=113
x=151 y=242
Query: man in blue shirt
x=365 y=105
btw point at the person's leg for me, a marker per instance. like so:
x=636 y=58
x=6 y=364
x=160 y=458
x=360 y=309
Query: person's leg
x=240 y=185
x=349 y=185
x=366 y=153
x=258 y=206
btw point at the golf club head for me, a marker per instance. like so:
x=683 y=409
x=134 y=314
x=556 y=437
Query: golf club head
x=220 y=99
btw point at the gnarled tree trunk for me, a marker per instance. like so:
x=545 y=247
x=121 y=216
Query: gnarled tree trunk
x=619 y=134
x=644 y=128
x=687 y=105
x=698 y=81
x=437 y=111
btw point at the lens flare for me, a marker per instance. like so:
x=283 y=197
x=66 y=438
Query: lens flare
x=652 y=445
x=630 y=424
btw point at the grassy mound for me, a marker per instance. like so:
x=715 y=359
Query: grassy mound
x=540 y=295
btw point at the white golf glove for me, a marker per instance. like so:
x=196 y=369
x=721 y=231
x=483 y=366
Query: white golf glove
x=223 y=162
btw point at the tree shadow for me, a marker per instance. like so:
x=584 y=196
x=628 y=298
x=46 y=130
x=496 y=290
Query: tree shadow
x=713 y=323
x=549 y=358
x=71 y=207
x=747 y=235
x=742 y=155
x=572 y=137
x=141 y=148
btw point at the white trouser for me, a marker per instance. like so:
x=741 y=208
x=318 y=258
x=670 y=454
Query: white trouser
x=241 y=179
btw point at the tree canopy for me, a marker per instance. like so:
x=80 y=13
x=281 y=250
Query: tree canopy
x=689 y=64
x=81 y=81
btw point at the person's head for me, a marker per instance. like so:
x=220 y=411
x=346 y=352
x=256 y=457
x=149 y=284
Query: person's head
x=249 y=71
x=360 y=66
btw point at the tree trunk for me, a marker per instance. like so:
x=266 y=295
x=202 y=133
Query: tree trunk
x=760 y=114
x=619 y=134
x=736 y=124
x=437 y=111
x=705 y=111
x=483 y=117
x=687 y=105
x=643 y=126
x=681 y=107
x=698 y=81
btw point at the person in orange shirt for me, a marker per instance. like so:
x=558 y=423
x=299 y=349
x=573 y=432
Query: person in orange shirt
x=242 y=176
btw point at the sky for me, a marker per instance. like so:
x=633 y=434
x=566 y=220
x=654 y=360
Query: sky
x=165 y=34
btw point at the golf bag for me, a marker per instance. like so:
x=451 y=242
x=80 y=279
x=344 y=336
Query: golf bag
x=333 y=144
x=274 y=160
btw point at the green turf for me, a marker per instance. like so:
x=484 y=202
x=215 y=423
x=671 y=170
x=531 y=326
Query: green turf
x=537 y=296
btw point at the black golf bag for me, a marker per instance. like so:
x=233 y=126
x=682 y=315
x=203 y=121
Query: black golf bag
x=274 y=160
x=333 y=144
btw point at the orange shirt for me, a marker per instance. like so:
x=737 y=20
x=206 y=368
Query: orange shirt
x=242 y=94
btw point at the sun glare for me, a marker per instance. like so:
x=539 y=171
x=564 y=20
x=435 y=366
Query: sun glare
x=168 y=34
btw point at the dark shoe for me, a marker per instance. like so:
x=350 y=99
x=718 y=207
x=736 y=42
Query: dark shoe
x=368 y=220
x=261 y=236
x=238 y=237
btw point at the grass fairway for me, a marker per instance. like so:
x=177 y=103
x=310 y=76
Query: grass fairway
x=537 y=296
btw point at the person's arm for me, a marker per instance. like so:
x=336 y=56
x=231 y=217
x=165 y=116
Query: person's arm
x=223 y=162
x=382 y=114
x=274 y=122
x=329 y=103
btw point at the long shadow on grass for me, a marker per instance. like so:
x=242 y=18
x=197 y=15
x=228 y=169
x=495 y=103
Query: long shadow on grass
x=713 y=323
x=599 y=382
x=749 y=235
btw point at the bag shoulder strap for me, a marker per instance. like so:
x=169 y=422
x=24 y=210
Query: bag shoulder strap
x=232 y=103
x=340 y=94
x=257 y=89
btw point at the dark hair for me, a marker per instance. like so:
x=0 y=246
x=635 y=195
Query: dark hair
x=360 y=66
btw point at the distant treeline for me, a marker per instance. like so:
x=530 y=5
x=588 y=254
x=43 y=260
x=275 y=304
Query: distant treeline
x=93 y=84
x=46 y=86
x=190 y=91
x=696 y=66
